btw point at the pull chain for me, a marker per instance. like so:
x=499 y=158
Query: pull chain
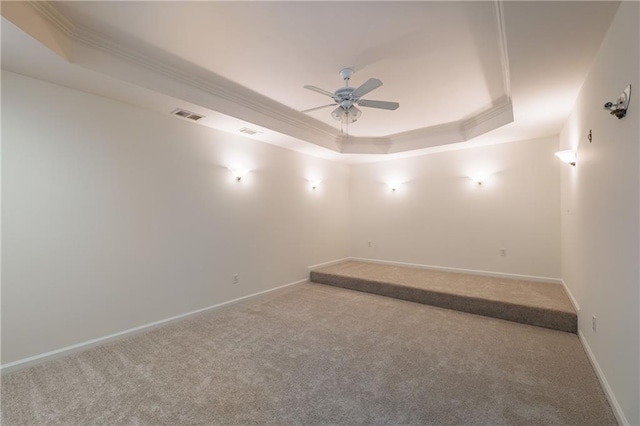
x=347 y=117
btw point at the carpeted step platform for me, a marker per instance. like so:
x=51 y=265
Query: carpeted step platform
x=528 y=302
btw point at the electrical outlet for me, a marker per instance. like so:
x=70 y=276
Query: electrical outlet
x=594 y=324
x=503 y=252
x=369 y=244
x=235 y=279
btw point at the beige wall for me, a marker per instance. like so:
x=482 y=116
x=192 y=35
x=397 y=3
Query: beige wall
x=440 y=217
x=600 y=212
x=114 y=217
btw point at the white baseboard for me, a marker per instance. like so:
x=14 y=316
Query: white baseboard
x=617 y=410
x=462 y=271
x=78 y=347
x=573 y=300
x=329 y=263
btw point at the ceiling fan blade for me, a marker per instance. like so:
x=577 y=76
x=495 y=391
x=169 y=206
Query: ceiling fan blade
x=378 y=104
x=321 y=91
x=366 y=87
x=320 y=107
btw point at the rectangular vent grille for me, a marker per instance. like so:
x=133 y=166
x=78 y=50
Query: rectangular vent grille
x=187 y=114
x=249 y=131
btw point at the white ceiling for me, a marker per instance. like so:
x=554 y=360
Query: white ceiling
x=428 y=54
x=446 y=63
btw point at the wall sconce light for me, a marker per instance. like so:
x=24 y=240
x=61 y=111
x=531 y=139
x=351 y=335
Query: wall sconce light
x=315 y=183
x=239 y=173
x=619 y=107
x=479 y=178
x=393 y=186
x=568 y=156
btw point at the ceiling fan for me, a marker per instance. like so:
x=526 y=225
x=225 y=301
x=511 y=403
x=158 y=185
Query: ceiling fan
x=348 y=97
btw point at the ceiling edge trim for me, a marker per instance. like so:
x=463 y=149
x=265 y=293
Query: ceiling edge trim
x=502 y=46
x=446 y=131
x=46 y=9
x=226 y=90
x=364 y=145
x=41 y=23
x=470 y=125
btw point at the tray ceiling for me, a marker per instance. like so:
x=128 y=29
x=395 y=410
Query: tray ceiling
x=441 y=61
x=482 y=71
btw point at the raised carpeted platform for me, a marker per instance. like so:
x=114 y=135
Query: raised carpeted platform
x=527 y=302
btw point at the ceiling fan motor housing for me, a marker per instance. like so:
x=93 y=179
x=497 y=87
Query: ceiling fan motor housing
x=343 y=96
x=344 y=92
x=346 y=73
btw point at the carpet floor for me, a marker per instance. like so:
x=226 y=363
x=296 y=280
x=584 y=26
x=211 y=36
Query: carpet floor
x=315 y=354
x=528 y=302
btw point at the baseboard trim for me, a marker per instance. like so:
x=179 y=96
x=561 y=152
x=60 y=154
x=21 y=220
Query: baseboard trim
x=573 y=300
x=462 y=271
x=78 y=347
x=329 y=263
x=617 y=410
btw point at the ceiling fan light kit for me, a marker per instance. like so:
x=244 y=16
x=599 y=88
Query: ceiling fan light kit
x=350 y=115
x=346 y=98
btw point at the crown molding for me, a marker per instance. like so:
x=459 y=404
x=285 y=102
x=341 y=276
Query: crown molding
x=280 y=117
x=212 y=84
x=502 y=46
x=42 y=22
x=492 y=118
x=50 y=13
x=442 y=134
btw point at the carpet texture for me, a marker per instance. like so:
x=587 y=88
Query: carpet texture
x=527 y=302
x=315 y=354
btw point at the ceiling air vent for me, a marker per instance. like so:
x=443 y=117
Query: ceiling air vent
x=187 y=114
x=249 y=131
